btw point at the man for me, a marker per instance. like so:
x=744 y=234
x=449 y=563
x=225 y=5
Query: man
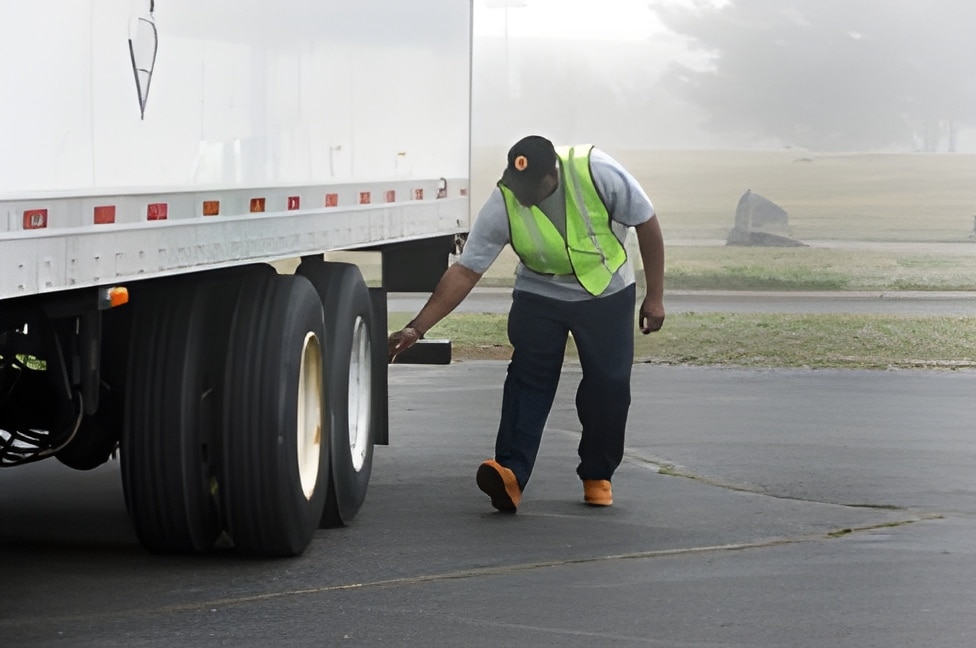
x=566 y=215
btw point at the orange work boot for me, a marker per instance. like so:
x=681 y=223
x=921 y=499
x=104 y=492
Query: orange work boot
x=499 y=483
x=597 y=492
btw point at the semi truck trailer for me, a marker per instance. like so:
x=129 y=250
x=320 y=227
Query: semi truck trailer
x=158 y=159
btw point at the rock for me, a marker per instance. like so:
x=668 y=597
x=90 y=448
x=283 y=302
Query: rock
x=760 y=221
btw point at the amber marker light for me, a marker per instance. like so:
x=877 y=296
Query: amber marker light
x=114 y=296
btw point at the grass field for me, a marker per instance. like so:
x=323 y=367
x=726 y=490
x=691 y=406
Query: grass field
x=881 y=221
x=878 y=197
x=894 y=198
x=839 y=341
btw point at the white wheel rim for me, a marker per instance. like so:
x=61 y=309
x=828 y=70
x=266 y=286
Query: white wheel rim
x=309 y=414
x=360 y=394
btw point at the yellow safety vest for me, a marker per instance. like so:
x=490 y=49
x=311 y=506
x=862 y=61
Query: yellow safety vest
x=590 y=250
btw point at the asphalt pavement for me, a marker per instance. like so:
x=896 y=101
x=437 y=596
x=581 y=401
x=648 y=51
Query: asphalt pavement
x=754 y=508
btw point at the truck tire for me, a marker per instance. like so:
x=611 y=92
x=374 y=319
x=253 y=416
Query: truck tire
x=274 y=475
x=166 y=475
x=350 y=347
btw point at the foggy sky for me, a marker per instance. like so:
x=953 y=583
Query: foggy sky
x=834 y=75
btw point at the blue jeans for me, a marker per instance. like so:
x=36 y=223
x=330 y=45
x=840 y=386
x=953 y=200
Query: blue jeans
x=538 y=328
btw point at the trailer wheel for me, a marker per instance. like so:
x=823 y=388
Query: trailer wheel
x=165 y=471
x=350 y=347
x=275 y=464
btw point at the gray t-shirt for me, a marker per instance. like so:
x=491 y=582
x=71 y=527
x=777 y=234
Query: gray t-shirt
x=625 y=200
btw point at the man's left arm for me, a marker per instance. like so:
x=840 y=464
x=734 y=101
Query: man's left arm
x=628 y=203
x=651 y=243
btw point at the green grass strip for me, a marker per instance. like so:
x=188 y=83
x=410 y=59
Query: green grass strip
x=816 y=341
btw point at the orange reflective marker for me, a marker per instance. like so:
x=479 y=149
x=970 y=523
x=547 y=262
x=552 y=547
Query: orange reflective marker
x=104 y=214
x=118 y=296
x=112 y=297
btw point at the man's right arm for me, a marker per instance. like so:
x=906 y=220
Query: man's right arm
x=451 y=290
x=489 y=235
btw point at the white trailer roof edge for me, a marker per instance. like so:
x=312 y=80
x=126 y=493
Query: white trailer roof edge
x=266 y=130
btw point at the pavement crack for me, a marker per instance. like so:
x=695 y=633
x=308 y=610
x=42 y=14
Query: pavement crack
x=667 y=468
x=840 y=533
x=599 y=638
x=213 y=605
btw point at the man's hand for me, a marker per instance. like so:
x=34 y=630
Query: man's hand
x=401 y=341
x=453 y=287
x=651 y=316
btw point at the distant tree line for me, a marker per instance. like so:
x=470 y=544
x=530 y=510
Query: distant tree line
x=834 y=74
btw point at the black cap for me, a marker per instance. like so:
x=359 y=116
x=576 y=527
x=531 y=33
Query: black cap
x=529 y=161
